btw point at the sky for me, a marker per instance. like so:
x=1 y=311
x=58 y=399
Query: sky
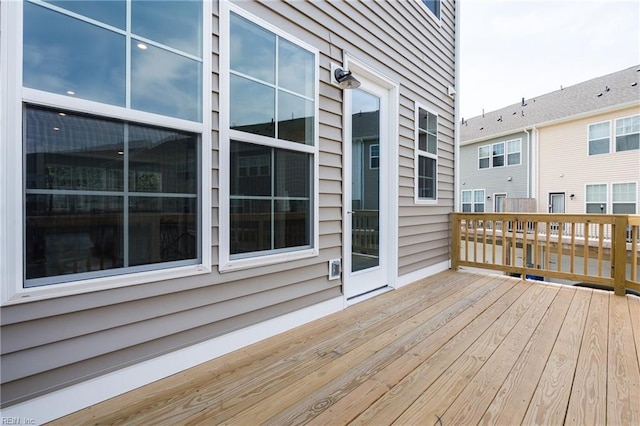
x=510 y=49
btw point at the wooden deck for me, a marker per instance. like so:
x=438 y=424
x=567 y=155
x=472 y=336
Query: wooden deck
x=457 y=348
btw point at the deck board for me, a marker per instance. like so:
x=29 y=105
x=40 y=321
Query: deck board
x=455 y=348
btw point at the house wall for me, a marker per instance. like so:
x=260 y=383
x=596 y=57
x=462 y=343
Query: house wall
x=495 y=180
x=50 y=344
x=566 y=166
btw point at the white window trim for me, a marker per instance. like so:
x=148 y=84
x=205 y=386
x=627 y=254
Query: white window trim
x=437 y=19
x=12 y=96
x=611 y=137
x=473 y=200
x=371 y=156
x=506 y=152
x=227 y=264
x=637 y=194
x=607 y=197
x=614 y=147
x=488 y=157
x=417 y=152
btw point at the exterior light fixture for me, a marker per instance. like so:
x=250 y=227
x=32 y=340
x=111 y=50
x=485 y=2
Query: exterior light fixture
x=345 y=79
x=572 y=196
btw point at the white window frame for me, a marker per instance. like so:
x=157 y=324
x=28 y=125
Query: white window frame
x=507 y=152
x=484 y=157
x=589 y=138
x=473 y=202
x=615 y=133
x=420 y=153
x=437 y=18
x=226 y=262
x=12 y=98
x=371 y=156
x=635 y=195
x=603 y=202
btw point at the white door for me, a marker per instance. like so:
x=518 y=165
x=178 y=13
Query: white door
x=367 y=198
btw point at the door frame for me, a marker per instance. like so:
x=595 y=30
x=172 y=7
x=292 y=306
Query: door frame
x=389 y=154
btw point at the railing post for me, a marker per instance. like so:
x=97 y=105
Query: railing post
x=619 y=256
x=455 y=241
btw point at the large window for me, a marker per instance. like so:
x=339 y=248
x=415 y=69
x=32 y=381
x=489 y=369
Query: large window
x=111 y=121
x=484 y=157
x=628 y=133
x=426 y=153
x=272 y=143
x=596 y=198
x=599 y=138
x=105 y=195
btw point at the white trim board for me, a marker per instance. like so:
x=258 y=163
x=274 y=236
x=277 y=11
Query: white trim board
x=73 y=398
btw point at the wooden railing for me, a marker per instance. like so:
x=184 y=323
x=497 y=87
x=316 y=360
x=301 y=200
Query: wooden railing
x=365 y=231
x=592 y=249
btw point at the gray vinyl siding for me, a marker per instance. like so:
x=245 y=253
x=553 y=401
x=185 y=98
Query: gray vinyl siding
x=50 y=344
x=494 y=180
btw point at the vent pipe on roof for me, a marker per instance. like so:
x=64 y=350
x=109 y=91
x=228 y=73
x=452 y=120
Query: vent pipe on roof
x=523 y=103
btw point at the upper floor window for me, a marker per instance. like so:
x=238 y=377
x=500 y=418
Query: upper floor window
x=433 y=6
x=374 y=156
x=599 y=138
x=628 y=133
x=500 y=154
x=272 y=147
x=426 y=154
x=514 y=148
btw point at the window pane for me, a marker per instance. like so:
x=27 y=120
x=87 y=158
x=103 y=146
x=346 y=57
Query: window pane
x=295 y=118
x=296 y=68
x=162 y=229
x=466 y=208
x=466 y=196
x=176 y=24
x=628 y=125
x=513 y=159
x=71 y=151
x=252 y=107
x=599 y=131
x=422 y=140
x=292 y=174
x=597 y=193
x=68 y=234
x=624 y=208
x=250 y=169
x=250 y=223
x=484 y=163
x=111 y=12
x=66 y=56
x=624 y=192
x=165 y=83
x=484 y=151
x=596 y=208
x=478 y=196
x=427 y=177
x=253 y=50
x=599 y=146
x=498 y=154
x=292 y=224
x=628 y=142
x=162 y=161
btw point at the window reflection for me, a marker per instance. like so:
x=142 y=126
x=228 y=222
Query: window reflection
x=296 y=68
x=67 y=56
x=295 y=118
x=270 y=206
x=177 y=24
x=165 y=83
x=252 y=107
x=253 y=50
x=77 y=219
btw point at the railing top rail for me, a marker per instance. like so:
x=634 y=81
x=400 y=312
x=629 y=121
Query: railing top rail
x=552 y=217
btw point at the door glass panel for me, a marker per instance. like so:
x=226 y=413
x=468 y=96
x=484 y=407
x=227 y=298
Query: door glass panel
x=365 y=202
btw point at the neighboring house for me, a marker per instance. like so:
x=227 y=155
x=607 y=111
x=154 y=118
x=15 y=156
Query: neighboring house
x=575 y=150
x=182 y=179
